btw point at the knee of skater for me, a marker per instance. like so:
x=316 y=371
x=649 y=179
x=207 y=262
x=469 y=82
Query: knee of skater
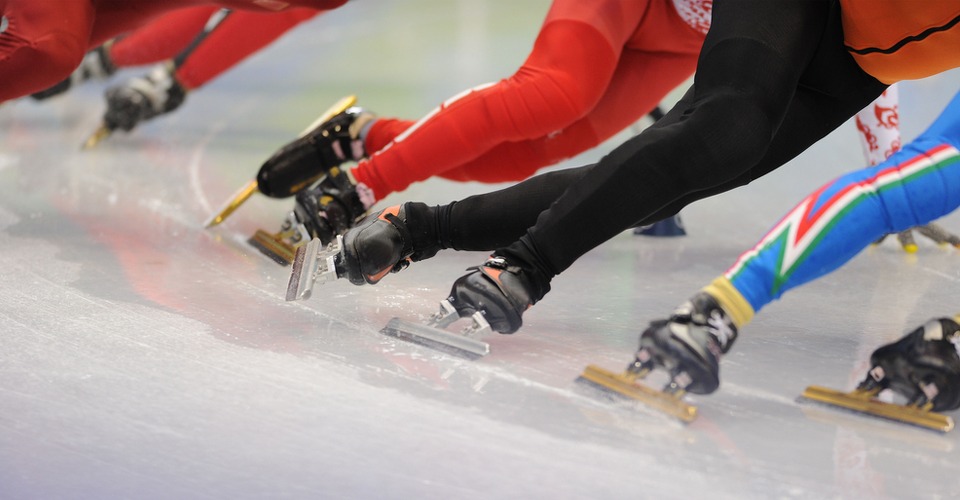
x=737 y=136
x=547 y=102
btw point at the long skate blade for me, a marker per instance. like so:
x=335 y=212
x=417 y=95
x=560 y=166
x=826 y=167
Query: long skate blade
x=98 y=135
x=303 y=269
x=242 y=195
x=337 y=108
x=863 y=403
x=623 y=386
x=273 y=246
x=436 y=338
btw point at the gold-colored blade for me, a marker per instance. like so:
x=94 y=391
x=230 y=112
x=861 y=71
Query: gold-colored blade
x=100 y=134
x=864 y=402
x=242 y=195
x=625 y=386
x=337 y=108
x=273 y=246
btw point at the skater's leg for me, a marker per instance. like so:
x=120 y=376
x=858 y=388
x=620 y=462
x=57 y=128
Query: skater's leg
x=640 y=82
x=161 y=39
x=236 y=38
x=558 y=84
x=122 y=16
x=810 y=112
x=158 y=41
x=223 y=42
x=114 y=18
x=884 y=130
x=488 y=221
x=807 y=77
x=383 y=131
x=41 y=43
x=914 y=186
x=878 y=126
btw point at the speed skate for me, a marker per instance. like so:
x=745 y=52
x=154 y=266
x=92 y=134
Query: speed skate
x=866 y=402
x=625 y=384
x=433 y=333
x=314 y=264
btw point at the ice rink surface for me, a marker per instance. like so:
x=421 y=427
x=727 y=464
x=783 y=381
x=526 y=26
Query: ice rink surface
x=142 y=356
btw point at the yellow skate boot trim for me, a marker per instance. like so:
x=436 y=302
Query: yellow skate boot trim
x=731 y=301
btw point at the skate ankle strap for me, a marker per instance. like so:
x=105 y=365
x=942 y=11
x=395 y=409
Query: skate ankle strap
x=731 y=300
x=497 y=262
x=405 y=233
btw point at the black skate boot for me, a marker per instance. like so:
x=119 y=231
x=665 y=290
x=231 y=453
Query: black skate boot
x=279 y=178
x=331 y=207
x=499 y=291
x=380 y=244
x=323 y=212
x=688 y=345
x=383 y=243
x=138 y=100
x=324 y=145
x=923 y=367
x=493 y=297
x=143 y=98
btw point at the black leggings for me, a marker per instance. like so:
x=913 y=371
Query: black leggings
x=773 y=78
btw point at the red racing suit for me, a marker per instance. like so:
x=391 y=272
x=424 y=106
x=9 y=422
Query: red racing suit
x=41 y=42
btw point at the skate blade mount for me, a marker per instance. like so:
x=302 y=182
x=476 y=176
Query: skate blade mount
x=273 y=246
x=433 y=335
x=864 y=402
x=312 y=265
x=245 y=192
x=281 y=246
x=626 y=386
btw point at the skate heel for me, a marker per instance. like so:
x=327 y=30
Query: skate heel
x=313 y=265
x=434 y=335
